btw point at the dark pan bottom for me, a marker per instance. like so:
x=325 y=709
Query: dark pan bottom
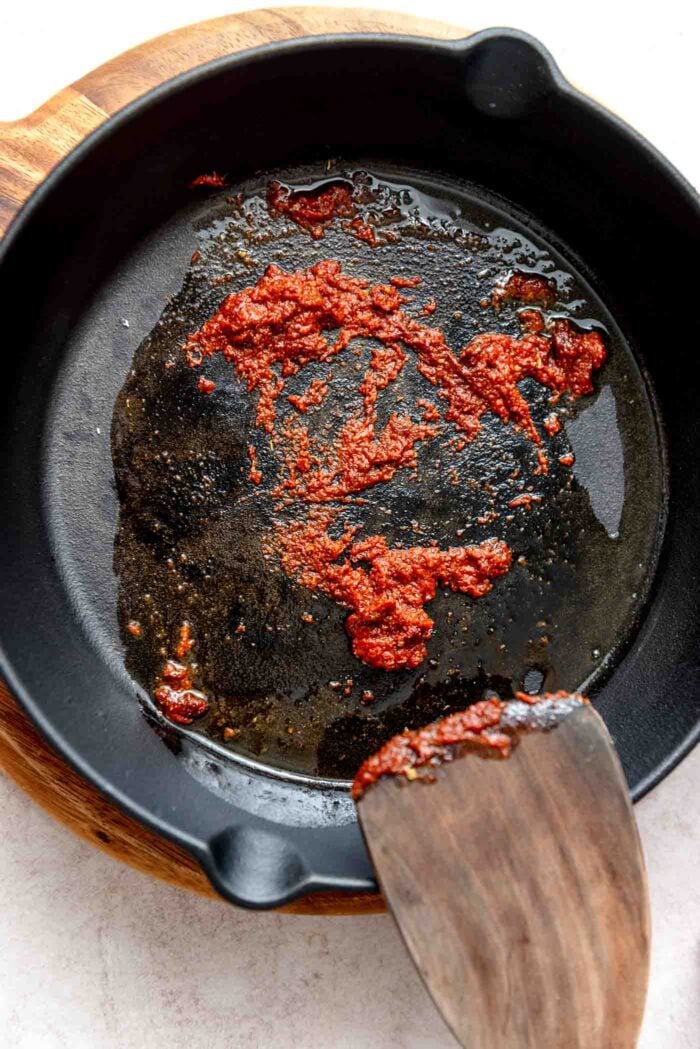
x=583 y=556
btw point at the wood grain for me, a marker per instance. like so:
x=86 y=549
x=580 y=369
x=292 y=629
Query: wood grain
x=29 y=149
x=520 y=890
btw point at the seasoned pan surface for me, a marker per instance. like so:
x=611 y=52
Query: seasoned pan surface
x=194 y=529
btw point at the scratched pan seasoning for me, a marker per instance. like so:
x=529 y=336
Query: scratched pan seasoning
x=201 y=518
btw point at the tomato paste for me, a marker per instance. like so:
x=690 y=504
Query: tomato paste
x=552 y=424
x=313 y=210
x=525 y=287
x=483 y=726
x=174 y=694
x=212 y=181
x=270 y=332
x=285 y=321
x=254 y=473
x=311 y=398
x=385 y=588
x=361 y=230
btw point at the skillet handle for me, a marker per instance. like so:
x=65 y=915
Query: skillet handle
x=31 y=147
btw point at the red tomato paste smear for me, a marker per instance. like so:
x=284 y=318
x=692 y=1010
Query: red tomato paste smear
x=255 y=473
x=174 y=694
x=526 y=500
x=405 y=282
x=286 y=318
x=385 y=587
x=271 y=331
x=311 y=397
x=213 y=181
x=531 y=288
x=478 y=726
x=552 y=424
x=362 y=230
x=313 y=210
x=531 y=321
x=185 y=641
x=358 y=458
x=542 y=462
x=430 y=412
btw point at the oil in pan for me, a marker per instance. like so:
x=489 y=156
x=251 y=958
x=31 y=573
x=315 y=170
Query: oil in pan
x=199 y=481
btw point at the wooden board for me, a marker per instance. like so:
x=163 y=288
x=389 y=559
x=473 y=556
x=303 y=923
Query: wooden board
x=29 y=149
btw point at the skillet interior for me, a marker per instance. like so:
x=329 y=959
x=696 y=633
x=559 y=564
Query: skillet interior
x=491 y=108
x=194 y=530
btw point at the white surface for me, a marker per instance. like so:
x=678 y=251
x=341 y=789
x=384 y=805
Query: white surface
x=96 y=956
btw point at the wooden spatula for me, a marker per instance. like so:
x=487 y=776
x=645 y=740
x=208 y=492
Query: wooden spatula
x=519 y=888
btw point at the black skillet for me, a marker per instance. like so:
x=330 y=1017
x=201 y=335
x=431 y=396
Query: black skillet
x=488 y=120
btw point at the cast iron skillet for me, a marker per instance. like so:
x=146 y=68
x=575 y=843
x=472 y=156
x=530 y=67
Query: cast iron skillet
x=493 y=107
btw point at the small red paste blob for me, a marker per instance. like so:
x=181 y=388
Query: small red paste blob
x=212 y=181
x=181 y=705
x=526 y=500
x=405 y=282
x=430 y=412
x=552 y=424
x=174 y=694
x=429 y=308
x=361 y=230
x=532 y=321
x=134 y=628
x=311 y=398
x=205 y=385
x=312 y=210
x=255 y=473
x=185 y=641
x=542 y=463
x=525 y=287
x=567 y=460
x=386 y=588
